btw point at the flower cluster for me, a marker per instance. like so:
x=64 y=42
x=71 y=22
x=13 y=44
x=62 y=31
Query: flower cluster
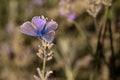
x=44 y=53
x=39 y=2
x=44 y=50
x=41 y=77
x=66 y=9
x=94 y=9
x=96 y=5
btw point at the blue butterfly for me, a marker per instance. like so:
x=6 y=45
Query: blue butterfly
x=40 y=27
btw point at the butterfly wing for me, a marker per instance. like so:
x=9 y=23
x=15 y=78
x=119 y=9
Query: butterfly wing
x=49 y=36
x=39 y=22
x=28 y=28
x=51 y=25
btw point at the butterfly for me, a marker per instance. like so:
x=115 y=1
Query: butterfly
x=40 y=27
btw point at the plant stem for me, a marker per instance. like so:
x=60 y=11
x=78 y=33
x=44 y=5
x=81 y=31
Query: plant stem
x=44 y=61
x=69 y=73
x=80 y=29
x=96 y=24
x=44 y=65
x=102 y=30
x=105 y=17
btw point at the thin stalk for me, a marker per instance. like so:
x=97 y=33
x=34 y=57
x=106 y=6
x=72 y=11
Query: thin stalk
x=44 y=66
x=105 y=20
x=69 y=73
x=103 y=23
x=95 y=23
x=41 y=76
x=102 y=29
x=44 y=61
x=79 y=28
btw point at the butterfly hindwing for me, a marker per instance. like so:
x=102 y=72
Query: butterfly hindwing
x=49 y=36
x=28 y=28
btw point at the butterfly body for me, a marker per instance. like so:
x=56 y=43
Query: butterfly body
x=40 y=28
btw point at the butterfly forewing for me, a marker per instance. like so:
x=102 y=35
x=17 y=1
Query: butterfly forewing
x=51 y=25
x=28 y=28
x=39 y=22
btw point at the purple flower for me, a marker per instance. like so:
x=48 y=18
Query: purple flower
x=40 y=27
x=10 y=28
x=38 y=2
x=66 y=9
x=71 y=16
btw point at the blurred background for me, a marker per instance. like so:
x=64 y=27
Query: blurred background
x=80 y=54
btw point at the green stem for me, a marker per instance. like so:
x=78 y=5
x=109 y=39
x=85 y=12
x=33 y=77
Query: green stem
x=102 y=27
x=104 y=23
x=95 y=23
x=106 y=13
x=44 y=65
x=69 y=73
x=44 y=61
x=79 y=28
